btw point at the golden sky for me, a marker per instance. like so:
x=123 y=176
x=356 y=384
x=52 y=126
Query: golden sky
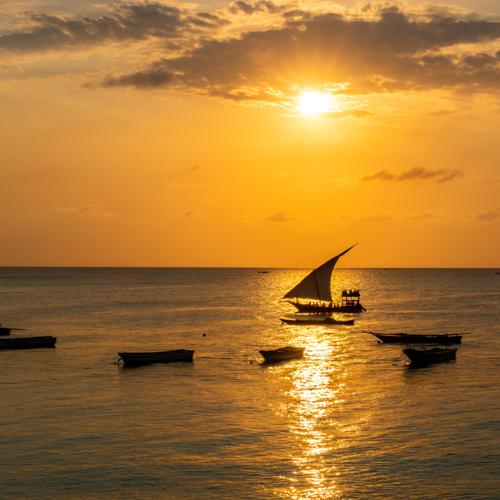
x=250 y=133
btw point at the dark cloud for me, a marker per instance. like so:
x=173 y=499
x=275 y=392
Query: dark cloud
x=150 y=78
x=416 y=174
x=389 y=51
x=381 y=175
x=392 y=52
x=126 y=22
x=249 y=8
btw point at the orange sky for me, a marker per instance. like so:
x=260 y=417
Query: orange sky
x=168 y=134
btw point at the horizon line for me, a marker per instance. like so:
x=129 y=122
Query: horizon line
x=230 y=267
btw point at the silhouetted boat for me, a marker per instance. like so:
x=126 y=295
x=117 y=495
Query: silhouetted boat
x=282 y=354
x=6 y=331
x=418 y=338
x=27 y=342
x=145 y=358
x=312 y=319
x=424 y=357
x=313 y=294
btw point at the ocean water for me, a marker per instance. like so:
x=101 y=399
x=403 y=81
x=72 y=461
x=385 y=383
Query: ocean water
x=348 y=421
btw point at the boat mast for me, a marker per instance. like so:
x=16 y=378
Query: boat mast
x=317 y=284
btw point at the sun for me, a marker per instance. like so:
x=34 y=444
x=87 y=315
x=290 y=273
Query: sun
x=311 y=103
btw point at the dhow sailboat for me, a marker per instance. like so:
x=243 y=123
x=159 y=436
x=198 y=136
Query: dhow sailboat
x=313 y=294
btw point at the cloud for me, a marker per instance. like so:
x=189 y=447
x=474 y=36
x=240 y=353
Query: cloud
x=489 y=216
x=221 y=53
x=125 y=22
x=349 y=113
x=416 y=174
x=381 y=217
x=151 y=78
x=249 y=8
x=280 y=217
x=94 y=210
x=392 y=52
x=422 y=216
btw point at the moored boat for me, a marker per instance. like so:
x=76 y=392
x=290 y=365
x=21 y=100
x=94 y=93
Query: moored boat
x=313 y=294
x=282 y=354
x=145 y=358
x=6 y=331
x=418 y=338
x=27 y=342
x=425 y=357
x=313 y=319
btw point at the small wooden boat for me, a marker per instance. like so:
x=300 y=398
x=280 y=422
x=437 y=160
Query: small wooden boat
x=282 y=354
x=311 y=319
x=145 y=358
x=418 y=338
x=424 y=357
x=27 y=342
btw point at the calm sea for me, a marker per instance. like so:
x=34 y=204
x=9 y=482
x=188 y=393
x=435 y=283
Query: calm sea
x=348 y=421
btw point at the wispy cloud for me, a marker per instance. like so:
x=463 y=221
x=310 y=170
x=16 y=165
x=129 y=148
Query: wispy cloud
x=280 y=217
x=422 y=216
x=250 y=8
x=380 y=217
x=415 y=175
x=489 y=216
x=349 y=113
x=125 y=22
x=94 y=210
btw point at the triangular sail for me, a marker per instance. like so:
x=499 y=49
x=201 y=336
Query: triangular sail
x=316 y=285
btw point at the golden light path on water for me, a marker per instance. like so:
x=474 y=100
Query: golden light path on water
x=316 y=396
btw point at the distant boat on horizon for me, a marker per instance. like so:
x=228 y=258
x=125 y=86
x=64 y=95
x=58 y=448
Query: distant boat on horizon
x=313 y=294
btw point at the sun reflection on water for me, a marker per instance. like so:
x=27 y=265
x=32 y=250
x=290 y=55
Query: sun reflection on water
x=316 y=393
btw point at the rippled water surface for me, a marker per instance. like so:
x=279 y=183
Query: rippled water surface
x=350 y=420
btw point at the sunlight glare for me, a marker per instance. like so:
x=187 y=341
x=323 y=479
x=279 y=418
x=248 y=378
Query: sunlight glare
x=314 y=103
